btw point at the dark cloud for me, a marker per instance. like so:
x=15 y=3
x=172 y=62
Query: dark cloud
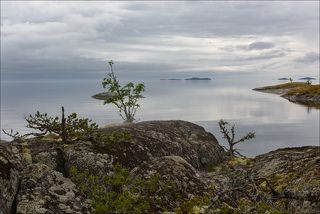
x=309 y=58
x=257 y=46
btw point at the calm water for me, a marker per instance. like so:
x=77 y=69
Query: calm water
x=277 y=122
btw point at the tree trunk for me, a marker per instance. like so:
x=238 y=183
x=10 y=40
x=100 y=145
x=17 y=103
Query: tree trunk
x=63 y=127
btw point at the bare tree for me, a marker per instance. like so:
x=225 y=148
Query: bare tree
x=230 y=136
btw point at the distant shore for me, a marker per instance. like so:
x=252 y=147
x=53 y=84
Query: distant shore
x=296 y=92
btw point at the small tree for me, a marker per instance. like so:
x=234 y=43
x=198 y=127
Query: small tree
x=291 y=80
x=230 y=136
x=68 y=129
x=309 y=82
x=125 y=98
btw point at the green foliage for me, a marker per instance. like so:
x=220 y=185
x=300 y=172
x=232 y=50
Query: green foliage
x=112 y=139
x=119 y=193
x=229 y=135
x=125 y=98
x=189 y=205
x=68 y=129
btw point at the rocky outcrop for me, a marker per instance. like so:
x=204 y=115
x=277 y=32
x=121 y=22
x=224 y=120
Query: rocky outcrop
x=303 y=98
x=286 y=180
x=44 y=190
x=44 y=186
x=294 y=172
x=11 y=164
x=184 y=179
x=185 y=166
x=154 y=139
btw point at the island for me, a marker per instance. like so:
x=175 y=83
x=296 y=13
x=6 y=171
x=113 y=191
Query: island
x=296 y=92
x=107 y=95
x=171 y=79
x=198 y=78
x=283 y=78
x=307 y=78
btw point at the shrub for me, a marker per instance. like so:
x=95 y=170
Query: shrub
x=125 y=98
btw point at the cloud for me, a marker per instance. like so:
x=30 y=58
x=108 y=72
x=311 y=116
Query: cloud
x=61 y=39
x=257 y=46
x=309 y=58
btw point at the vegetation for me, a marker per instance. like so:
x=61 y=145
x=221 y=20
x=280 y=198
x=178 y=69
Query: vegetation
x=119 y=193
x=288 y=85
x=68 y=129
x=307 y=89
x=297 y=88
x=125 y=98
x=230 y=136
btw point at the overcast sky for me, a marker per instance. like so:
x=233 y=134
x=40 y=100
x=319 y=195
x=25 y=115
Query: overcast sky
x=75 y=39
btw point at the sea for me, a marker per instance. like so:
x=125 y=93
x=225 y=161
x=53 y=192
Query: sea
x=277 y=122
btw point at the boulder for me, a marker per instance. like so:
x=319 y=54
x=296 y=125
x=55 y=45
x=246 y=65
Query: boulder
x=153 y=139
x=11 y=165
x=185 y=181
x=44 y=190
x=295 y=172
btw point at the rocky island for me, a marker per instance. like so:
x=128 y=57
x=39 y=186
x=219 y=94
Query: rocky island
x=198 y=78
x=297 y=92
x=162 y=167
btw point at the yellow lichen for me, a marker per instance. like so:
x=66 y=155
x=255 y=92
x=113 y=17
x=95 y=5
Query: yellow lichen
x=26 y=154
x=244 y=161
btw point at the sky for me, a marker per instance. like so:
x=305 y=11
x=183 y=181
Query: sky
x=75 y=39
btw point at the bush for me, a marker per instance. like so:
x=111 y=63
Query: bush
x=120 y=193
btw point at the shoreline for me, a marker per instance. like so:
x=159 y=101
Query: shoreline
x=302 y=98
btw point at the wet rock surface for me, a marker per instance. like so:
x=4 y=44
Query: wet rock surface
x=34 y=174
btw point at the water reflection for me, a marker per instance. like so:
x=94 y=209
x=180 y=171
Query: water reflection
x=278 y=122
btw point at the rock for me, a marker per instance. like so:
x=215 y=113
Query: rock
x=184 y=178
x=44 y=190
x=84 y=157
x=34 y=174
x=295 y=172
x=304 y=99
x=11 y=165
x=154 y=139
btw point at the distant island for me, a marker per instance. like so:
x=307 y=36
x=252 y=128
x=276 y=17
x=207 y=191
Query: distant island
x=198 y=78
x=283 y=78
x=296 y=92
x=307 y=78
x=171 y=79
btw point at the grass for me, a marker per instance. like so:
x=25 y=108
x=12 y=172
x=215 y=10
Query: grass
x=296 y=88
x=288 y=85
x=308 y=89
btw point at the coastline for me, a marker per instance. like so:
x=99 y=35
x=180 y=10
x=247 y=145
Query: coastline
x=304 y=98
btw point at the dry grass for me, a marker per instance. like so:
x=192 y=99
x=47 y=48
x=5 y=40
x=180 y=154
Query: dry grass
x=287 y=85
x=307 y=89
x=296 y=88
